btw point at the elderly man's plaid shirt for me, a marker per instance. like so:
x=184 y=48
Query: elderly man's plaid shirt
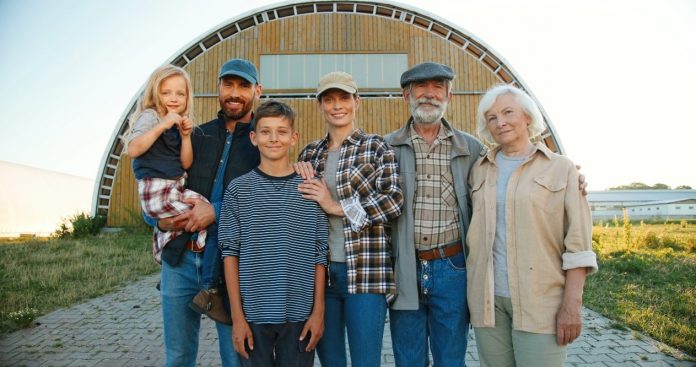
x=367 y=171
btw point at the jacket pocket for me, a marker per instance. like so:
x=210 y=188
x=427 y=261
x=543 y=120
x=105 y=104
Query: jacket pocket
x=477 y=201
x=548 y=194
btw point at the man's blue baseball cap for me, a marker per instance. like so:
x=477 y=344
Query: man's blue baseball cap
x=241 y=68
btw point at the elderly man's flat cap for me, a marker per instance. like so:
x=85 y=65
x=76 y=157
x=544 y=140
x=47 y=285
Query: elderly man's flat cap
x=426 y=71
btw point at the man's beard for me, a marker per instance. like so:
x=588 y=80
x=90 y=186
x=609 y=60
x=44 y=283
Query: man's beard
x=232 y=116
x=422 y=116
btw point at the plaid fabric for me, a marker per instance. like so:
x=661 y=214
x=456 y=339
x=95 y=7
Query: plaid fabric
x=163 y=198
x=367 y=172
x=436 y=217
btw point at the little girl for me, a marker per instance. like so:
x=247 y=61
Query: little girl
x=160 y=144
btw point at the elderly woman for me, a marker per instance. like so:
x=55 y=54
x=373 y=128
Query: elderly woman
x=529 y=243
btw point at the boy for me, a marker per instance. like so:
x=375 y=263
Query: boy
x=274 y=249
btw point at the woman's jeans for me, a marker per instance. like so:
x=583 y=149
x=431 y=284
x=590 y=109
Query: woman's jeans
x=363 y=315
x=178 y=286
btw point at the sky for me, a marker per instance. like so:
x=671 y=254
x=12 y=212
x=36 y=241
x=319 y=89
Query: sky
x=617 y=78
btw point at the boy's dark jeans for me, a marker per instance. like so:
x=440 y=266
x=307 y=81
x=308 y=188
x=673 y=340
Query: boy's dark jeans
x=284 y=339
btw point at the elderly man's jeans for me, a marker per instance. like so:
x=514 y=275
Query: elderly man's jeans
x=441 y=321
x=178 y=286
x=363 y=315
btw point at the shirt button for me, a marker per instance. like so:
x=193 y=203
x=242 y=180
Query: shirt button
x=221 y=161
x=425 y=276
x=427 y=176
x=425 y=238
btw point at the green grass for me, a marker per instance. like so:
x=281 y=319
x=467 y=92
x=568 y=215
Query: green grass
x=38 y=276
x=648 y=284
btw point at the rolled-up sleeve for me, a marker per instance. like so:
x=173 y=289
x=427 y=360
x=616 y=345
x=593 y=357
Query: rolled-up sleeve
x=578 y=228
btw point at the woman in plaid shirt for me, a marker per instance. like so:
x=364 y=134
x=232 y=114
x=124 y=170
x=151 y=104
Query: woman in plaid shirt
x=357 y=186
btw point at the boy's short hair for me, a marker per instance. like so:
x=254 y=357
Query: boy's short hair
x=273 y=108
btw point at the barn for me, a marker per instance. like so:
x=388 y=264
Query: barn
x=293 y=44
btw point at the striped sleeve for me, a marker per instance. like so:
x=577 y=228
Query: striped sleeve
x=229 y=232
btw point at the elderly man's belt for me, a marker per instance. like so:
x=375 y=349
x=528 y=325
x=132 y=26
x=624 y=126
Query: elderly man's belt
x=440 y=252
x=193 y=246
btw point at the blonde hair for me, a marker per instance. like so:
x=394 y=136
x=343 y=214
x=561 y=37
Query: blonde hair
x=530 y=108
x=150 y=97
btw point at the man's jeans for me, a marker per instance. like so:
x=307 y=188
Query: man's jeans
x=442 y=317
x=362 y=314
x=212 y=261
x=179 y=284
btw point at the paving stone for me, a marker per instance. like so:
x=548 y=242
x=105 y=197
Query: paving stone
x=596 y=358
x=110 y=331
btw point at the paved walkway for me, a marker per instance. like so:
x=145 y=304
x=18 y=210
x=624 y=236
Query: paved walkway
x=125 y=329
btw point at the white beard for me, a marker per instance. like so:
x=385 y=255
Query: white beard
x=431 y=116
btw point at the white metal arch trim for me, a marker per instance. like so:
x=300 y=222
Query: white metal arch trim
x=386 y=9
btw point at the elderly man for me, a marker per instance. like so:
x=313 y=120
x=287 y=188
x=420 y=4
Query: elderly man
x=222 y=151
x=434 y=158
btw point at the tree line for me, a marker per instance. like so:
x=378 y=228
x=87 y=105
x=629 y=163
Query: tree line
x=642 y=186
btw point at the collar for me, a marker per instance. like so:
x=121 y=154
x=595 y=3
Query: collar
x=443 y=133
x=538 y=147
x=354 y=138
x=460 y=147
x=240 y=127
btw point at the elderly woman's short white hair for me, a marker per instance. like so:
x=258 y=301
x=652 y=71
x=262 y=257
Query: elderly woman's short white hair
x=523 y=100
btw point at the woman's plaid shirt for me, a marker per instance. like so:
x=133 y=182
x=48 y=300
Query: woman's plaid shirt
x=367 y=172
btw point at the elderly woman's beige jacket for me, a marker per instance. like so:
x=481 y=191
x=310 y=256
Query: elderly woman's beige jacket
x=549 y=230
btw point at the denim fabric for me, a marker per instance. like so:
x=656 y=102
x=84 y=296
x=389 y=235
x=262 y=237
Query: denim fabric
x=179 y=284
x=362 y=314
x=441 y=321
x=212 y=261
x=278 y=345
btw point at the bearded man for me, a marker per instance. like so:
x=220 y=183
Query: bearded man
x=222 y=151
x=430 y=310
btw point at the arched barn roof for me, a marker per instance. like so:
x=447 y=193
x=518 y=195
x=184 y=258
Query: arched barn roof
x=348 y=30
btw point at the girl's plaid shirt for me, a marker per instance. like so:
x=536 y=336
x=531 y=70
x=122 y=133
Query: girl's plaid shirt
x=367 y=174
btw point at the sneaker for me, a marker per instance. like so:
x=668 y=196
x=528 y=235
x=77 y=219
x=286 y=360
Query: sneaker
x=209 y=302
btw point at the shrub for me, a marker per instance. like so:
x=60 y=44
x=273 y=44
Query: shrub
x=23 y=318
x=628 y=238
x=80 y=225
x=650 y=239
x=629 y=262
